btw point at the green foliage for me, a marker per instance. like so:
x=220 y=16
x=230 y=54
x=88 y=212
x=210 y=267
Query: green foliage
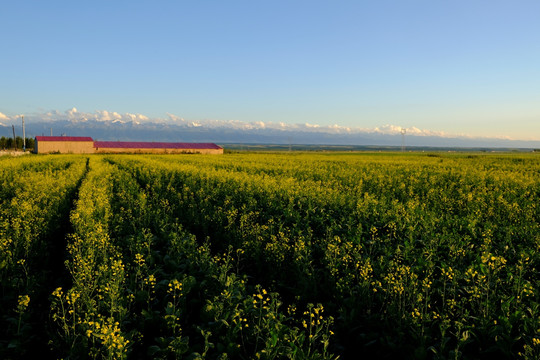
x=300 y=256
x=7 y=143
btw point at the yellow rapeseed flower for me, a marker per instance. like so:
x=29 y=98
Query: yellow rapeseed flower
x=24 y=300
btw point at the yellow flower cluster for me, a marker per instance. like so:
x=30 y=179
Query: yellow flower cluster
x=365 y=271
x=471 y=275
x=139 y=260
x=397 y=279
x=174 y=286
x=58 y=292
x=109 y=334
x=528 y=289
x=314 y=315
x=261 y=299
x=416 y=313
x=426 y=284
x=72 y=296
x=493 y=262
x=448 y=273
x=23 y=302
x=241 y=321
x=117 y=267
x=150 y=281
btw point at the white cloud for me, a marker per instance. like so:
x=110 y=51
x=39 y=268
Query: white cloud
x=137 y=118
x=388 y=129
x=71 y=112
x=396 y=130
x=175 y=119
x=74 y=115
x=104 y=115
x=260 y=124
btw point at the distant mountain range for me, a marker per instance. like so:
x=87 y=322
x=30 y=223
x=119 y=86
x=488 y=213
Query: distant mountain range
x=133 y=127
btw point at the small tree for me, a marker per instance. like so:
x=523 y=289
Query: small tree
x=18 y=142
x=30 y=143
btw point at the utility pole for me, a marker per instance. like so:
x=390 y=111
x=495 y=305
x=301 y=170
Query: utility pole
x=23 y=134
x=14 y=139
x=403 y=131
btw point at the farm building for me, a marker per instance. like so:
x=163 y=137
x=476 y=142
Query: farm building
x=155 y=147
x=64 y=145
x=86 y=145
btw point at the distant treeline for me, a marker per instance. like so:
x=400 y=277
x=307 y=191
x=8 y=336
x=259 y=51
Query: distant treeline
x=8 y=143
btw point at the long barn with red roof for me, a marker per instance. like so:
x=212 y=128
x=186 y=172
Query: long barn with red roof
x=64 y=145
x=86 y=145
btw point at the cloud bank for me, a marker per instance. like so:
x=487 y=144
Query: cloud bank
x=3 y=117
x=73 y=115
x=111 y=125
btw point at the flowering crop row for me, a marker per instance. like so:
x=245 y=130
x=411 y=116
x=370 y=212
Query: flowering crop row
x=143 y=285
x=89 y=313
x=35 y=196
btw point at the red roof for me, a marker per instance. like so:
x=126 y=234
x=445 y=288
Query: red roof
x=64 y=138
x=153 y=145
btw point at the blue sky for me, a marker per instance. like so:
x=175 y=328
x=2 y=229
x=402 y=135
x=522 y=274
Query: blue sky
x=460 y=67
